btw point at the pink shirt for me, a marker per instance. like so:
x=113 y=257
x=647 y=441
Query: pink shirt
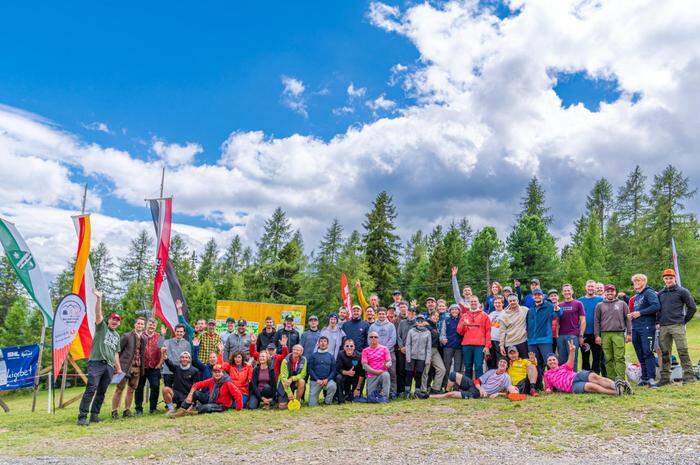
x=375 y=358
x=561 y=378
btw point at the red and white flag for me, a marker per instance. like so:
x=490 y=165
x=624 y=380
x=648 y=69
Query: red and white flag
x=345 y=292
x=166 y=288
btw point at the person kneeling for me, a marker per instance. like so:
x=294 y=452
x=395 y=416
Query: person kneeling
x=492 y=384
x=212 y=395
x=563 y=378
x=522 y=371
x=322 y=373
x=291 y=380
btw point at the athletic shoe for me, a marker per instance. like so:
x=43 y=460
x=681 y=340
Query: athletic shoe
x=181 y=412
x=127 y=413
x=663 y=382
x=688 y=380
x=627 y=388
x=618 y=387
x=82 y=421
x=653 y=384
x=139 y=413
x=534 y=393
x=115 y=415
x=95 y=418
x=643 y=383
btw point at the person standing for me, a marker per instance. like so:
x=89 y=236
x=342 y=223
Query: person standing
x=677 y=309
x=589 y=348
x=174 y=347
x=514 y=327
x=418 y=352
x=475 y=329
x=267 y=335
x=387 y=337
x=434 y=361
x=310 y=337
x=132 y=349
x=293 y=337
x=496 y=317
x=376 y=362
x=572 y=325
x=463 y=297
x=238 y=341
x=230 y=329
x=646 y=306
x=451 y=342
x=612 y=330
x=322 y=374
x=209 y=341
x=334 y=334
x=539 y=329
x=102 y=364
x=151 y=363
x=357 y=328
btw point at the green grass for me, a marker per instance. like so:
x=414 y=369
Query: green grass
x=441 y=424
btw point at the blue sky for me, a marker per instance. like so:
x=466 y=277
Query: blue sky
x=253 y=100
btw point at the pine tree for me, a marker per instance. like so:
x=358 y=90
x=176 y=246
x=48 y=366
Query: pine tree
x=382 y=245
x=466 y=231
x=580 y=226
x=600 y=202
x=321 y=289
x=486 y=261
x=533 y=251
x=15 y=328
x=276 y=234
x=102 y=268
x=632 y=200
x=533 y=202
x=138 y=264
x=288 y=272
x=575 y=272
x=593 y=250
x=9 y=290
x=208 y=262
x=233 y=257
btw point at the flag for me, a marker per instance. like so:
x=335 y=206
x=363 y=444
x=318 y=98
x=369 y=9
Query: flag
x=70 y=313
x=27 y=269
x=345 y=292
x=675 y=261
x=166 y=287
x=83 y=284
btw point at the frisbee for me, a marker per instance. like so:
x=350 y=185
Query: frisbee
x=293 y=405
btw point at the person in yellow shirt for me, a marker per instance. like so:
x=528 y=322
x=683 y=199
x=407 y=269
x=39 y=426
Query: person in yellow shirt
x=522 y=372
x=373 y=299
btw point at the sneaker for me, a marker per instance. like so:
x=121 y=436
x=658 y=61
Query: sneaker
x=663 y=382
x=618 y=387
x=127 y=413
x=139 y=413
x=688 y=380
x=115 y=415
x=181 y=412
x=94 y=418
x=82 y=421
x=534 y=393
x=627 y=388
x=515 y=397
x=422 y=395
x=643 y=383
x=653 y=384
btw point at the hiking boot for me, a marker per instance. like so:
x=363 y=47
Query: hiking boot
x=95 y=418
x=115 y=415
x=422 y=395
x=127 y=413
x=82 y=421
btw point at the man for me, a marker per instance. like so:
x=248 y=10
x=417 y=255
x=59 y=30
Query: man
x=387 y=337
x=132 y=349
x=267 y=335
x=209 y=341
x=600 y=289
x=496 y=317
x=507 y=291
x=292 y=334
x=646 y=306
x=175 y=347
x=397 y=299
x=350 y=373
x=572 y=324
x=342 y=316
x=491 y=384
x=357 y=328
x=334 y=334
x=553 y=296
x=434 y=361
x=530 y=298
x=230 y=329
x=404 y=326
x=430 y=305
x=514 y=327
x=677 y=309
x=184 y=375
x=612 y=329
x=311 y=336
x=151 y=363
x=539 y=329
x=238 y=341
x=563 y=378
x=370 y=315
x=321 y=369
x=589 y=347
x=215 y=394
x=190 y=332
x=373 y=299
x=376 y=362
x=102 y=364
x=291 y=382
x=463 y=298
x=522 y=371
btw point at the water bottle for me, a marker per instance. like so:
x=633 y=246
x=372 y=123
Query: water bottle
x=3 y=370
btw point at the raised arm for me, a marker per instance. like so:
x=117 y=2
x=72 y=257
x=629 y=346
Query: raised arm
x=361 y=296
x=98 y=306
x=455 y=287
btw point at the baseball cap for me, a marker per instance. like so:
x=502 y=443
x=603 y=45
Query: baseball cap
x=535 y=281
x=313 y=317
x=537 y=291
x=211 y=321
x=552 y=291
x=610 y=287
x=116 y=316
x=333 y=315
x=217 y=367
x=242 y=322
x=512 y=349
x=668 y=272
x=420 y=317
x=289 y=318
x=431 y=298
x=230 y=320
x=272 y=346
x=396 y=292
x=508 y=288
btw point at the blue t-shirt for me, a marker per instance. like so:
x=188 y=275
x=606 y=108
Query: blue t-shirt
x=589 y=304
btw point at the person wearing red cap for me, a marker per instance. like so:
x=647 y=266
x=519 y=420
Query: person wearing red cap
x=677 y=309
x=102 y=365
x=212 y=395
x=612 y=329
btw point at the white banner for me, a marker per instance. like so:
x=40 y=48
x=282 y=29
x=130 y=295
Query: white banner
x=69 y=314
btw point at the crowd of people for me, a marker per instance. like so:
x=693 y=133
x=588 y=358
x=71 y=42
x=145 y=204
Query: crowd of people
x=511 y=344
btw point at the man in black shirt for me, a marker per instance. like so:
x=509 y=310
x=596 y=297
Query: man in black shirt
x=350 y=372
x=184 y=376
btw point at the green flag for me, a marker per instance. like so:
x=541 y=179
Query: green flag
x=26 y=267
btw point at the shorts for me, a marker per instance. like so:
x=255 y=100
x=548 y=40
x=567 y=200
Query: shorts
x=466 y=387
x=282 y=394
x=580 y=381
x=179 y=398
x=168 y=380
x=524 y=386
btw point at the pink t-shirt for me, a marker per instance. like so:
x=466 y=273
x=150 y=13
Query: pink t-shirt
x=375 y=358
x=561 y=378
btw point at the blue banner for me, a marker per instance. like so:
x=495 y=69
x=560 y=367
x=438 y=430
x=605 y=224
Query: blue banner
x=18 y=366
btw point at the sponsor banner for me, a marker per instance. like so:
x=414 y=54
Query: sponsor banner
x=18 y=365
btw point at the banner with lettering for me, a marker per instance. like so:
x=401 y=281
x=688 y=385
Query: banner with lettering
x=18 y=365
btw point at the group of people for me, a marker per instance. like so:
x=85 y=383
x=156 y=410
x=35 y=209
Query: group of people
x=509 y=344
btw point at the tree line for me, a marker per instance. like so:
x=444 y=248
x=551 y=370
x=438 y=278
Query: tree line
x=621 y=232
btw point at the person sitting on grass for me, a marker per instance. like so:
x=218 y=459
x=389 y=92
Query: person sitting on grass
x=262 y=386
x=184 y=376
x=273 y=358
x=291 y=379
x=205 y=368
x=240 y=372
x=522 y=371
x=563 y=378
x=212 y=395
x=491 y=384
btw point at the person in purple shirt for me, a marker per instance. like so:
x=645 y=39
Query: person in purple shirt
x=572 y=325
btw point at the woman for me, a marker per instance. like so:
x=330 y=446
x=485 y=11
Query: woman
x=475 y=329
x=240 y=372
x=496 y=317
x=494 y=290
x=451 y=342
x=262 y=388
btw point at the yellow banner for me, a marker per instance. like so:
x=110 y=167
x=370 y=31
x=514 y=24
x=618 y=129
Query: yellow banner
x=255 y=313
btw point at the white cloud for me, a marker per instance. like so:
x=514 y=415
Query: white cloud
x=293 y=95
x=97 y=126
x=356 y=92
x=381 y=103
x=343 y=110
x=176 y=154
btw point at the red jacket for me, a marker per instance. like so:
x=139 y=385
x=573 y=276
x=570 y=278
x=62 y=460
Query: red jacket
x=475 y=329
x=228 y=393
x=278 y=358
x=240 y=378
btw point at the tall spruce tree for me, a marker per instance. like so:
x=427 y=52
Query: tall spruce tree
x=533 y=251
x=275 y=236
x=137 y=265
x=486 y=261
x=382 y=245
x=208 y=262
x=533 y=202
x=632 y=201
x=600 y=201
x=593 y=250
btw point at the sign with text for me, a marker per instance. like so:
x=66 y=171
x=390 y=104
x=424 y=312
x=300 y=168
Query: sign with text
x=18 y=366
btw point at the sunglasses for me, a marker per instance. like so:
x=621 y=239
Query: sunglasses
x=374 y=337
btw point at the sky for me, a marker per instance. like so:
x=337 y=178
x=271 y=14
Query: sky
x=451 y=107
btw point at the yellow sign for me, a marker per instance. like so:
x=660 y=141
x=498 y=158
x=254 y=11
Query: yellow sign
x=256 y=312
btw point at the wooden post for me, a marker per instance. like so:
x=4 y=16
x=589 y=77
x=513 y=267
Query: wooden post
x=80 y=373
x=63 y=382
x=38 y=365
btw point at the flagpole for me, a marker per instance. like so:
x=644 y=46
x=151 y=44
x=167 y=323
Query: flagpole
x=38 y=365
x=162 y=181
